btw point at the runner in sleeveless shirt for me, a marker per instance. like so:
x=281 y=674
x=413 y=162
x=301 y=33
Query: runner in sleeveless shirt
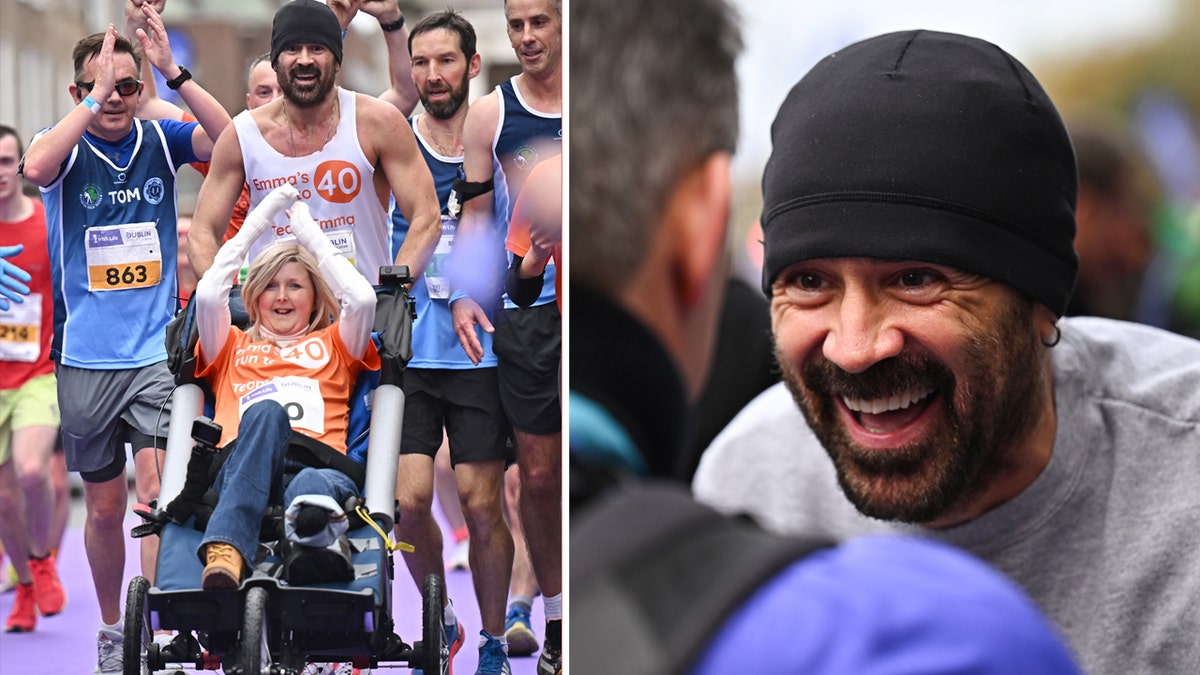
x=506 y=133
x=344 y=152
x=444 y=390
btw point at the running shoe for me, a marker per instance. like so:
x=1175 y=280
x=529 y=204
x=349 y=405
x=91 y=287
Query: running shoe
x=454 y=637
x=48 y=589
x=521 y=640
x=23 y=617
x=493 y=657
x=550 y=662
x=110 y=657
x=454 y=640
x=460 y=560
x=8 y=579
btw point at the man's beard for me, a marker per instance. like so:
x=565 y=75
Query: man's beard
x=303 y=97
x=444 y=110
x=983 y=412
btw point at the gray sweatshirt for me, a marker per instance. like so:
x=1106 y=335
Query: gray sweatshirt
x=1106 y=540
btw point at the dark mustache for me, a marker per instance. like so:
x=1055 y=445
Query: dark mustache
x=890 y=376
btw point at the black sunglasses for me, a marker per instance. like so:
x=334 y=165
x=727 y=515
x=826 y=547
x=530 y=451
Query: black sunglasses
x=124 y=87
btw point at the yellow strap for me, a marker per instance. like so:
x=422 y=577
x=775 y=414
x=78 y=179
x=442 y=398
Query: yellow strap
x=387 y=541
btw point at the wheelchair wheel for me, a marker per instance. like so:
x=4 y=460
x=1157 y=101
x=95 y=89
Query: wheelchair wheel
x=434 y=650
x=137 y=627
x=253 y=654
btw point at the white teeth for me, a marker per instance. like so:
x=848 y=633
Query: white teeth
x=893 y=402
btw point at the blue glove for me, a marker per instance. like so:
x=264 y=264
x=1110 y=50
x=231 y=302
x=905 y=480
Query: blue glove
x=11 y=277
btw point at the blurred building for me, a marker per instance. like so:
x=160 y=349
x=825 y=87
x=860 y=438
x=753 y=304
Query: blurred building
x=215 y=39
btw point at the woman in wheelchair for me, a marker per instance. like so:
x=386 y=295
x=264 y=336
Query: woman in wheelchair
x=290 y=374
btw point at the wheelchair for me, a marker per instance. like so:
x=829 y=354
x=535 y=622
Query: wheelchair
x=268 y=625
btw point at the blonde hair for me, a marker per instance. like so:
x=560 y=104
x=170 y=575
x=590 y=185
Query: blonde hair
x=326 y=308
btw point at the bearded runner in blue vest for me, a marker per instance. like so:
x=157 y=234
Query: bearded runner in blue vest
x=445 y=391
x=108 y=183
x=506 y=133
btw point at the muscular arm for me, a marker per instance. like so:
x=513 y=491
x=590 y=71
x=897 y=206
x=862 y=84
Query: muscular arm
x=479 y=129
x=475 y=224
x=403 y=92
x=215 y=203
x=409 y=180
x=212 y=116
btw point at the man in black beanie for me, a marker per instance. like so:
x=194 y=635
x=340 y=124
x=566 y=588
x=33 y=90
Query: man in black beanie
x=918 y=220
x=345 y=152
x=305 y=22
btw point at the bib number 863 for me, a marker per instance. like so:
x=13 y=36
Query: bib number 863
x=116 y=276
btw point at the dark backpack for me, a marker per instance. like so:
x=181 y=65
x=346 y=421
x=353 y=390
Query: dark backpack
x=654 y=575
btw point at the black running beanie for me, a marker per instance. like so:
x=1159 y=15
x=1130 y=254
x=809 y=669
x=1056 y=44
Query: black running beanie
x=305 y=22
x=924 y=146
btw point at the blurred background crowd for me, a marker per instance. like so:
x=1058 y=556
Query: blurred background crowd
x=1123 y=76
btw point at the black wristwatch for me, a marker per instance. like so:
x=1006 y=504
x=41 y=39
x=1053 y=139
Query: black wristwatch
x=393 y=26
x=176 y=83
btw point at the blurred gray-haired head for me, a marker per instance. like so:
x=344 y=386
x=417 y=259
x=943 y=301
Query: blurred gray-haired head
x=653 y=93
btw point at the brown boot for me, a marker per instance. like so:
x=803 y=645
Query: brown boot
x=224 y=568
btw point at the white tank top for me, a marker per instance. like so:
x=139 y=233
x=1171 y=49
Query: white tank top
x=336 y=182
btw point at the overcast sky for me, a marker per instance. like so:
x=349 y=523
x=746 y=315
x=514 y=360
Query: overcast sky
x=785 y=38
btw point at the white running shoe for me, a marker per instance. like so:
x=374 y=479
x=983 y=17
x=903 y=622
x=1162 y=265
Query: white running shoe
x=460 y=560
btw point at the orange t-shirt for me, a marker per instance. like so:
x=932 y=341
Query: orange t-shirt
x=312 y=379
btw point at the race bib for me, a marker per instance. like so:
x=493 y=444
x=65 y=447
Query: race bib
x=343 y=241
x=300 y=397
x=435 y=279
x=121 y=257
x=20 y=330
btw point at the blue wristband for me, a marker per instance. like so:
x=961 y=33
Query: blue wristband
x=91 y=104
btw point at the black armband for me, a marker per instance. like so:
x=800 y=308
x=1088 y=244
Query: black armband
x=468 y=191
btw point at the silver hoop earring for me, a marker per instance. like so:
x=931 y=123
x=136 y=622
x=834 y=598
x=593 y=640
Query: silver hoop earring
x=1057 y=336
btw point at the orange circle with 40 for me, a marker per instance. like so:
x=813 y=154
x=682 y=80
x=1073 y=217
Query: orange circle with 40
x=337 y=181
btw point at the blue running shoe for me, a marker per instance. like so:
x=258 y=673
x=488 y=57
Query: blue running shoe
x=521 y=640
x=493 y=657
x=454 y=638
x=454 y=642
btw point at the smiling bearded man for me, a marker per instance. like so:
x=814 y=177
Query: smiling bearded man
x=977 y=417
x=345 y=152
x=918 y=221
